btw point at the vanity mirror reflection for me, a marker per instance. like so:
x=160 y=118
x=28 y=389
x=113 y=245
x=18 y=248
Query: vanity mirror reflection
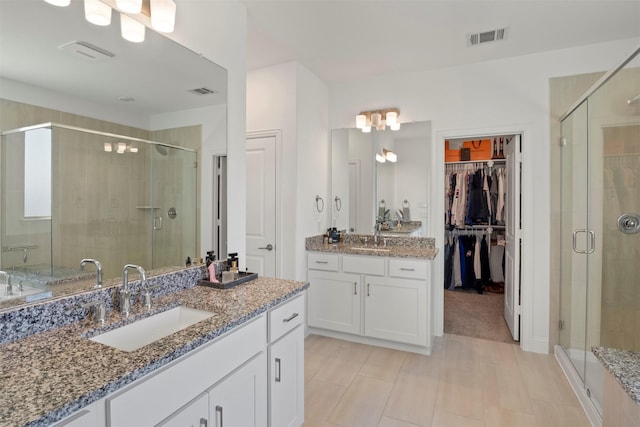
x=103 y=90
x=365 y=190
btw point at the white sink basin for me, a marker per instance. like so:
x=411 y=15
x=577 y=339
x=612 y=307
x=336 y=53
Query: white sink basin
x=145 y=331
x=367 y=249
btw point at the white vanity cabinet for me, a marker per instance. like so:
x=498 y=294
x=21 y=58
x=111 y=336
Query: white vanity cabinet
x=286 y=364
x=373 y=299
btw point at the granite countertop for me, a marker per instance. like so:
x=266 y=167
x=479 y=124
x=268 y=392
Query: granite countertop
x=624 y=365
x=52 y=374
x=399 y=247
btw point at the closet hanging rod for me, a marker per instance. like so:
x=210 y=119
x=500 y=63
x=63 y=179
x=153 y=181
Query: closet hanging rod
x=470 y=162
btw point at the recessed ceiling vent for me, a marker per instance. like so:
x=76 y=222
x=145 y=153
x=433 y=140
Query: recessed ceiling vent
x=87 y=51
x=202 y=91
x=487 y=36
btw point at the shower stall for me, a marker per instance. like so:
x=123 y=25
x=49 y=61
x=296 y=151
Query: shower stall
x=70 y=193
x=600 y=229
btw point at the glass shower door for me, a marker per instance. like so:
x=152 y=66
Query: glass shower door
x=575 y=238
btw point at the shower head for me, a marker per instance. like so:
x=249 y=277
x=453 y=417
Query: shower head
x=634 y=100
x=161 y=149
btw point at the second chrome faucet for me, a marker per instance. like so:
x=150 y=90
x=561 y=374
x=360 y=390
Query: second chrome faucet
x=125 y=292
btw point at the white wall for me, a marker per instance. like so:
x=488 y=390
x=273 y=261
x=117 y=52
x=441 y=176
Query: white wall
x=290 y=99
x=510 y=93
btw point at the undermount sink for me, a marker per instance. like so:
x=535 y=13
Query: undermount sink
x=369 y=249
x=145 y=331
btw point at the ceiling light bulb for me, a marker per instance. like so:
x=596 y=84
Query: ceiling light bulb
x=131 y=29
x=107 y=147
x=391 y=118
x=129 y=6
x=366 y=129
x=163 y=15
x=361 y=121
x=97 y=12
x=61 y=3
x=380 y=158
x=395 y=126
x=376 y=120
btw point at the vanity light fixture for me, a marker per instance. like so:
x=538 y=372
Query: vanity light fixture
x=97 y=12
x=386 y=156
x=378 y=119
x=163 y=15
x=129 y=6
x=107 y=147
x=122 y=147
x=61 y=3
x=130 y=29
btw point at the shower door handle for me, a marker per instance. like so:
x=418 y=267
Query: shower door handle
x=591 y=242
x=157 y=223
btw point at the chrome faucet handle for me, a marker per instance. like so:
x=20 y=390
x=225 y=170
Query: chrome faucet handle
x=146 y=296
x=125 y=293
x=98 y=270
x=99 y=310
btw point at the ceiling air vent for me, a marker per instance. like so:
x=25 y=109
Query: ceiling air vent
x=486 y=36
x=202 y=91
x=87 y=51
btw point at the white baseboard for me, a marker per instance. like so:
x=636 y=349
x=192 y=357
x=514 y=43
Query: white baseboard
x=370 y=341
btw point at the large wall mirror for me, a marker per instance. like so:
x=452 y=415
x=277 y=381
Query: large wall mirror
x=366 y=190
x=156 y=98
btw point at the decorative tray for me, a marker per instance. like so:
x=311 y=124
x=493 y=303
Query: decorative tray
x=243 y=277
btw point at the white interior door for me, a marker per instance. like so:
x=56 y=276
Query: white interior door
x=512 y=237
x=261 y=205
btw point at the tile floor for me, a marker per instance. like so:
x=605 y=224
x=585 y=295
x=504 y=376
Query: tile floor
x=465 y=382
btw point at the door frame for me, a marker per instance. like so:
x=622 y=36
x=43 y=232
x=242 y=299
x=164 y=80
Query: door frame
x=528 y=341
x=277 y=135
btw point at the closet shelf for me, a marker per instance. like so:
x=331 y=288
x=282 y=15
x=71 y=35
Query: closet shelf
x=470 y=162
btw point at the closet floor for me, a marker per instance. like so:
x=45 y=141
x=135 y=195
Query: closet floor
x=466 y=382
x=471 y=314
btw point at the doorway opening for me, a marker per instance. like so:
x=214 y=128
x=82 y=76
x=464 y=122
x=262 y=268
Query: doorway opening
x=482 y=242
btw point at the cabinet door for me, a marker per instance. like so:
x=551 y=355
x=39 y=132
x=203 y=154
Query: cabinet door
x=240 y=400
x=396 y=309
x=286 y=380
x=333 y=301
x=193 y=414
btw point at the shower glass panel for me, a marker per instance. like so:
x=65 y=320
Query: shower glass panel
x=573 y=241
x=600 y=227
x=173 y=199
x=108 y=194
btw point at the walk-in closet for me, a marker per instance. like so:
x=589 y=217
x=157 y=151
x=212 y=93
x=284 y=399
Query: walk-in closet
x=482 y=237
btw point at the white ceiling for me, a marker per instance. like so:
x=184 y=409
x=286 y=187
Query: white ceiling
x=343 y=40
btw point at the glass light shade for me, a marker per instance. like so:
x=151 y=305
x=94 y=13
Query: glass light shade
x=366 y=129
x=391 y=156
x=380 y=158
x=131 y=29
x=97 y=12
x=163 y=15
x=395 y=126
x=59 y=2
x=107 y=147
x=361 y=121
x=391 y=118
x=129 y=6
x=122 y=147
x=376 y=120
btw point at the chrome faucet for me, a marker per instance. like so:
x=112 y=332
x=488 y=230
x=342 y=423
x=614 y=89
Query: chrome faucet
x=7 y=279
x=99 y=311
x=125 y=292
x=98 y=270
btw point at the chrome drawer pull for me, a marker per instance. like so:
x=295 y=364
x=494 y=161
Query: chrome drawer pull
x=290 y=318
x=407 y=269
x=322 y=262
x=219 y=412
x=278 y=373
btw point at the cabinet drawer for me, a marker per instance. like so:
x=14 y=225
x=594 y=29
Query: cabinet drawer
x=285 y=317
x=322 y=261
x=411 y=269
x=371 y=265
